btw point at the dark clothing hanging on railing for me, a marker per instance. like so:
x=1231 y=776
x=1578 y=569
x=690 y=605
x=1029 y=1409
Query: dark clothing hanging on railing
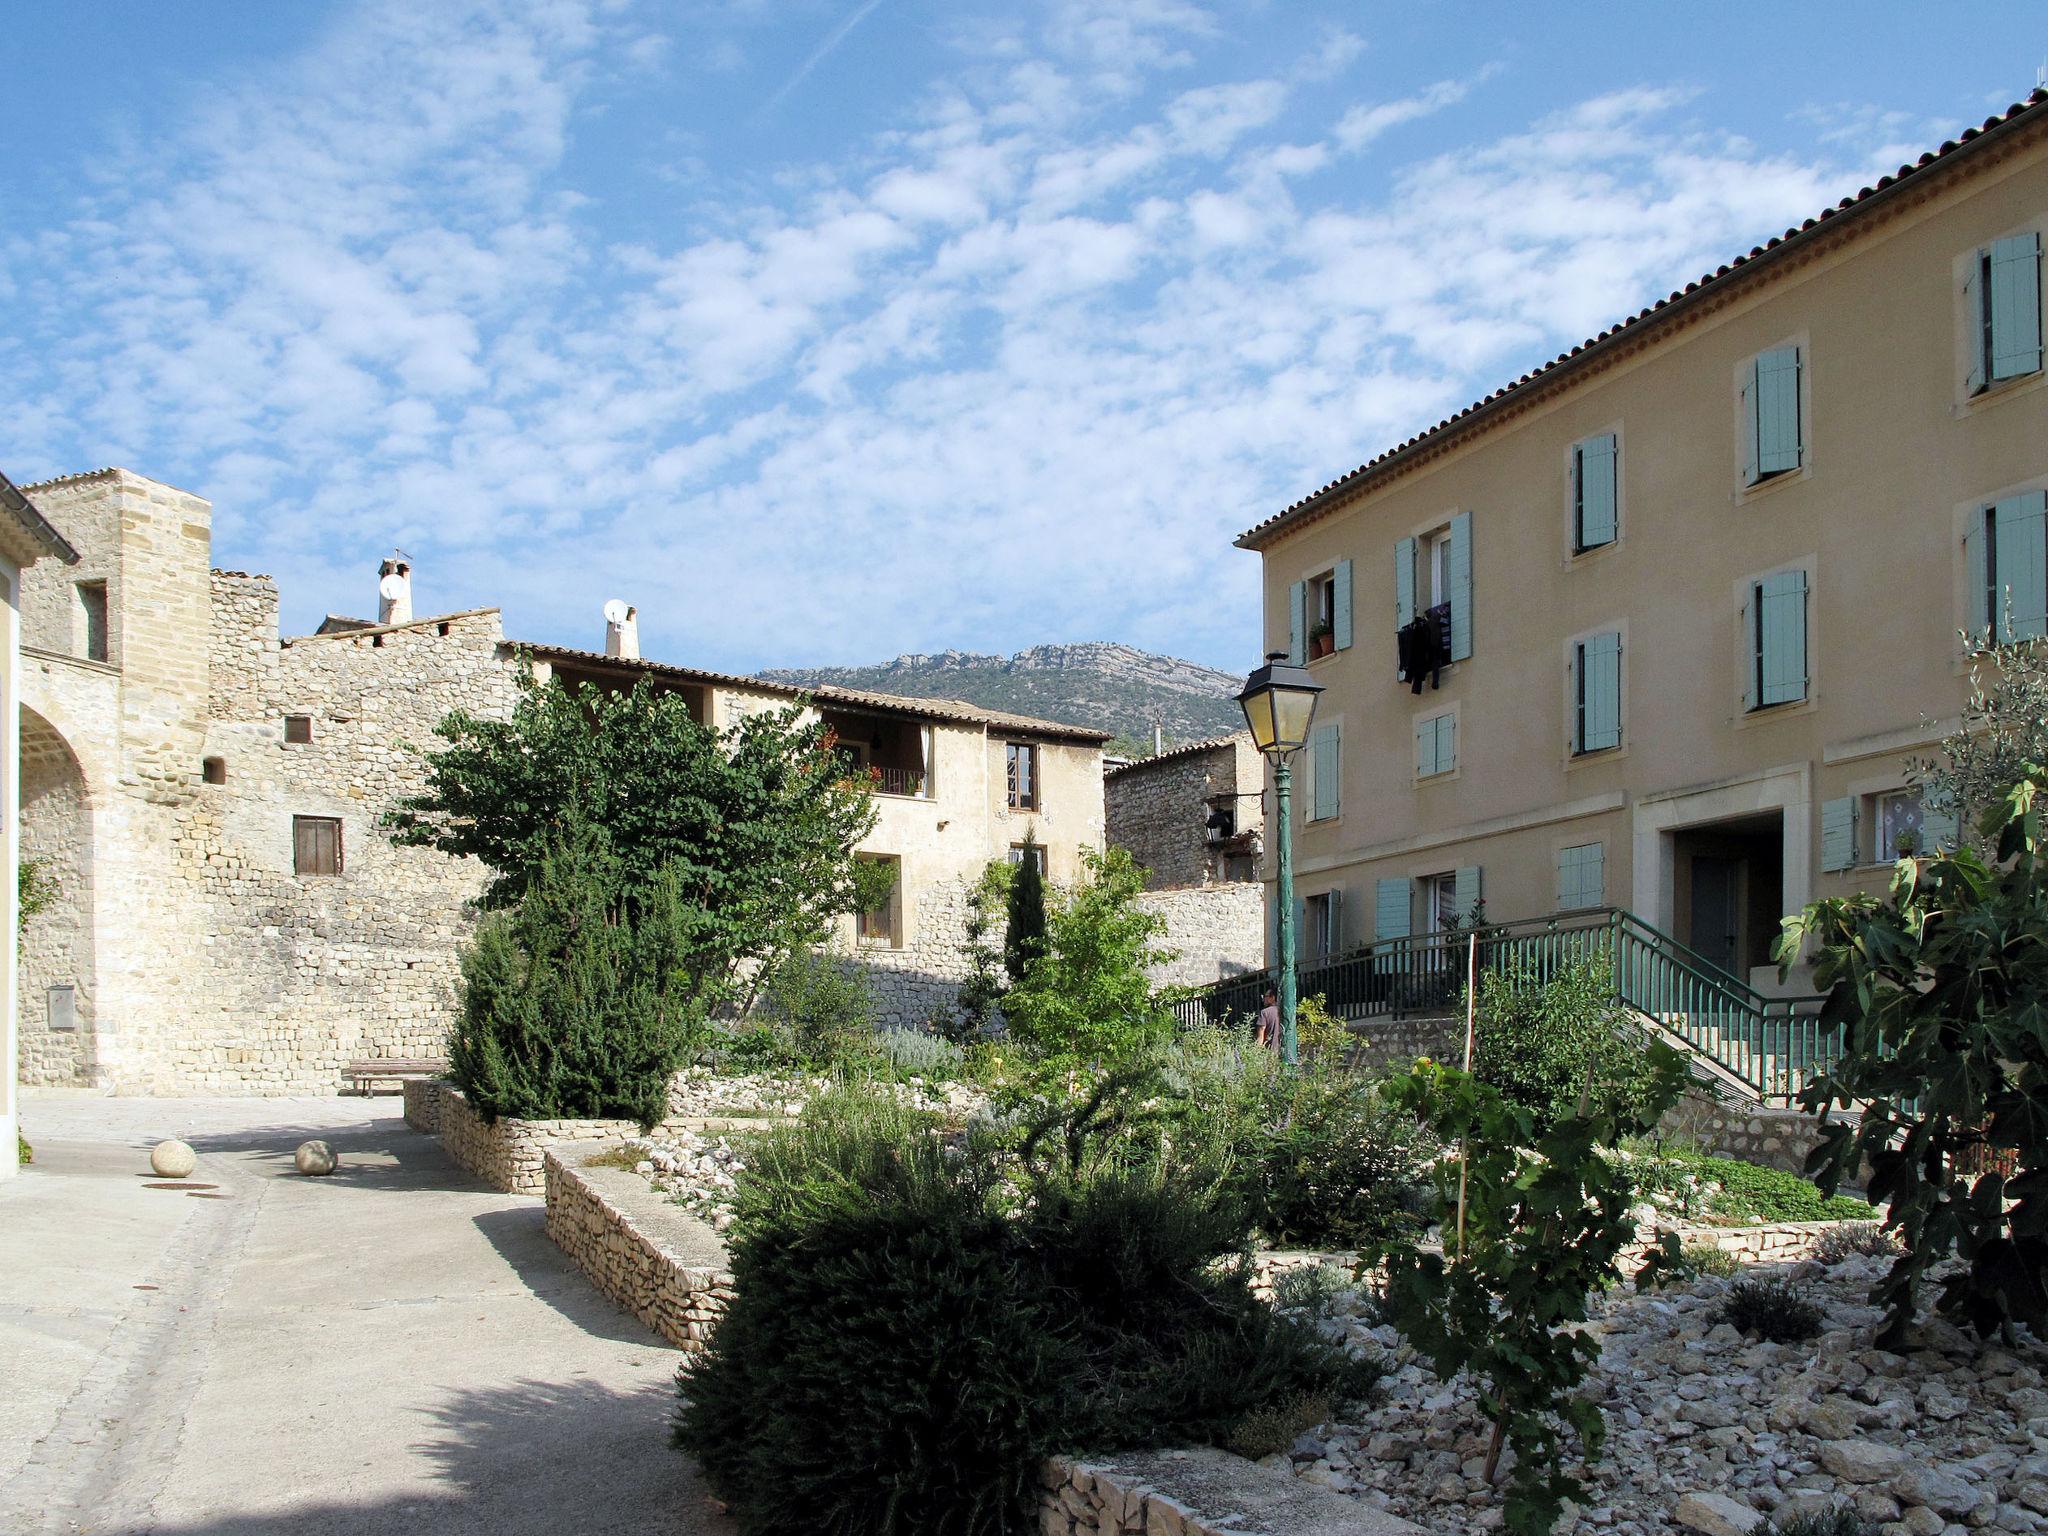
x=1423 y=647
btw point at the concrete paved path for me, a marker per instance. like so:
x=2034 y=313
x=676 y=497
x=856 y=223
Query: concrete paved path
x=392 y=1349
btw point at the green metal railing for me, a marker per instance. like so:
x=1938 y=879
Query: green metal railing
x=1774 y=1046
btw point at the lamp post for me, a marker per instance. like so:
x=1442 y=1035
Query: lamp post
x=1279 y=701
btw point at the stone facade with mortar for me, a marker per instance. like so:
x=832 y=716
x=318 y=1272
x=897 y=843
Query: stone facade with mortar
x=187 y=952
x=1191 y=816
x=1216 y=931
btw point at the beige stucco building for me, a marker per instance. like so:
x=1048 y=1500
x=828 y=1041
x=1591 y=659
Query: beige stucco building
x=203 y=794
x=1682 y=604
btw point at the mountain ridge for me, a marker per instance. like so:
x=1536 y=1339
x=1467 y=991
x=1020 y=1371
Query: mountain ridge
x=1098 y=683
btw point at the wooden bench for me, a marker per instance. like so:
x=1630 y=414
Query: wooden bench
x=365 y=1075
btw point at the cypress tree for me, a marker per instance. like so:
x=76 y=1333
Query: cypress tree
x=1024 y=940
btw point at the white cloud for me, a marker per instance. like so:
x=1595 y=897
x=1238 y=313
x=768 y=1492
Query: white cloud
x=1015 y=369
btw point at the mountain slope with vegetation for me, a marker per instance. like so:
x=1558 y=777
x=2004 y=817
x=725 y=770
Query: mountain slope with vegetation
x=1111 y=687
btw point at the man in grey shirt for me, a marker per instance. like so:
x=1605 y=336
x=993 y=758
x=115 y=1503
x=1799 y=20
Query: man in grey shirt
x=1269 y=1021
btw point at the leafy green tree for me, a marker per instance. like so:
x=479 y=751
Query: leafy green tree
x=1539 y=1035
x=978 y=1004
x=1940 y=990
x=1089 y=994
x=575 y=1005
x=752 y=829
x=1024 y=938
x=1546 y=1217
x=2004 y=728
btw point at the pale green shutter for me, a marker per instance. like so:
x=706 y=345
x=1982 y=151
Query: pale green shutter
x=1597 y=485
x=1333 y=903
x=1977 y=557
x=1436 y=745
x=1749 y=474
x=1599 y=693
x=1465 y=890
x=2015 y=284
x=1781 y=635
x=1340 y=604
x=2019 y=560
x=1425 y=749
x=1390 y=909
x=1838 y=833
x=1752 y=646
x=1446 y=742
x=1581 y=876
x=1777 y=411
x=1404 y=582
x=1458 y=578
x=1324 y=746
x=1940 y=827
x=1297 y=623
x=1977 y=316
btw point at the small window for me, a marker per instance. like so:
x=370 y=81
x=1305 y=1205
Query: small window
x=1596 y=694
x=1034 y=851
x=1901 y=827
x=1021 y=775
x=1773 y=429
x=298 y=729
x=1777 y=640
x=1327 y=600
x=62 y=1005
x=214 y=770
x=1596 y=483
x=2009 y=568
x=1436 y=745
x=92 y=621
x=1581 y=877
x=2004 y=311
x=442 y=628
x=316 y=845
x=882 y=927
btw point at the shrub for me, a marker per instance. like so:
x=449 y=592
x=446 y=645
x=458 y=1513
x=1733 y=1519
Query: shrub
x=1708 y=1259
x=575 y=1006
x=1726 y=1187
x=1856 y=1239
x=916 y=1054
x=1265 y=1431
x=1310 y=1288
x=1770 y=1309
x=1320 y=1160
x=914 y=1329
x=1089 y=995
x=24 y=1154
x=822 y=1006
x=1541 y=1034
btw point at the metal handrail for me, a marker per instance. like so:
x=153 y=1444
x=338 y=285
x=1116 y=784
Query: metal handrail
x=1773 y=1046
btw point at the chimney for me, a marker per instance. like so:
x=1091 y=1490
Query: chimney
x=621 y=631
x=394 y=590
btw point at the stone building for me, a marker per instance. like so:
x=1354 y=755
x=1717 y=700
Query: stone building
x=203 y=794
x=1194 y=818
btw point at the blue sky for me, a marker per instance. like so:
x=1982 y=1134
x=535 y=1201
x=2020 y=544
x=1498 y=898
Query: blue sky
x=828 y=331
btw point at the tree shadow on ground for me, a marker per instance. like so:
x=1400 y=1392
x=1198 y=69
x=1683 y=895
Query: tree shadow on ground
x=519 y=1233
x=530 y=1458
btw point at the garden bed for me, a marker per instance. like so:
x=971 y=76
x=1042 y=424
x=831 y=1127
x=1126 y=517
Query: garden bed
x=657 y=1263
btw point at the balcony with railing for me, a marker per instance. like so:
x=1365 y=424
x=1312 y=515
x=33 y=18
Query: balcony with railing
x=892 y=756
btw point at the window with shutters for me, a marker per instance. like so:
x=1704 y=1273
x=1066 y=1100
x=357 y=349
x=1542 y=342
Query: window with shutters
x=1319 y=614
x=1319 y=937
x=1433 y=578
x=881 y=927
x=1595 y=704
x=1773 y=414
x=1596 y=492
x=1436 y=745
x=1581 y=876
x=1440 y=901
x=1898 y=817
x=2002 y=312
x=316 y=845
x=1325 y=770
x=2008 y=553
x=1775 y=641
x=1020 y=776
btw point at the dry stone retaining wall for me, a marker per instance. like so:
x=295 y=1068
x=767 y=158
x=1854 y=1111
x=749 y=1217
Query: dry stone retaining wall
x=1197 y=1493
x=666 y=1268
x=1776 y=1138
x=1219 y=931
x=509 y=1154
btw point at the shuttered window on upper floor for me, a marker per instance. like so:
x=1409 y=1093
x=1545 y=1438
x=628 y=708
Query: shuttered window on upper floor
x=1775 y=627
x=2007 y=546
x=1436 y=745
x=1595 y=492
x=1324 y=772
x=1319 y=614
x=1436 y=568
x=1596 y=693
x=2003 y=303
x=1773 y=431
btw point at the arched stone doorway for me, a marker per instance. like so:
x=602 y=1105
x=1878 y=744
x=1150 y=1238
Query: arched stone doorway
x=56 y=988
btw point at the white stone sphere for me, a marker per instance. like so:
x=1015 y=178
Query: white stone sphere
x=314 y=1157
x=172 y=1159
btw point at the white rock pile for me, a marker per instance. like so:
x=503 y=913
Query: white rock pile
x=1716 y=1433
x=697 y=1171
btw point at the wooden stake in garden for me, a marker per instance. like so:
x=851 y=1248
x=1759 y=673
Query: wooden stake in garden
x=1471 y=1015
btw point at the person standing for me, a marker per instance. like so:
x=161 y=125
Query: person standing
x=1268 y=1033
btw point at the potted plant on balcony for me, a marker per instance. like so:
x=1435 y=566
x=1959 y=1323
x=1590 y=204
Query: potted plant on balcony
x=1322 y=639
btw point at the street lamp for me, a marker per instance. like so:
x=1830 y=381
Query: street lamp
x=1279 y=701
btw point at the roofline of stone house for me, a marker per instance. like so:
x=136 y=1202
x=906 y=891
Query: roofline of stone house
x=1190 y=749
x=1967 y=155
x=946 y=711
x=31 y=521
x=387 y=629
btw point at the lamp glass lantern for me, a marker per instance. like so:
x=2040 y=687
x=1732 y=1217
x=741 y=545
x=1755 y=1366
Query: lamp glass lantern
x=1279 y=703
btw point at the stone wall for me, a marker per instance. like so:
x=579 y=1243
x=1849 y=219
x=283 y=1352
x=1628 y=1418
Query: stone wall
x=666 y=1268
x=423 y=1103
x=1203 y=1492
x=1219 y=931
x=509 y=1154
x=1384 y=1043
x=1158 y=809
x=920 y=979
x=1776 y=1138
